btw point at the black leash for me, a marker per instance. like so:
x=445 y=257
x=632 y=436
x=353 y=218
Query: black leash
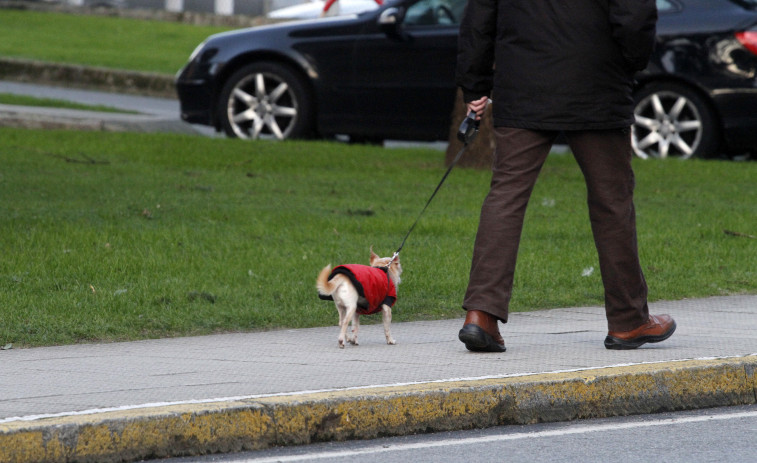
x=466 y=134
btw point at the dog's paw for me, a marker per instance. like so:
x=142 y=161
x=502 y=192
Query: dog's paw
x=341 y=343
x=391 y=341
x=353 y=341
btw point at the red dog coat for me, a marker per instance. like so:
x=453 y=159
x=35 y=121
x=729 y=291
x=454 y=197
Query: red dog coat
x=373 y=285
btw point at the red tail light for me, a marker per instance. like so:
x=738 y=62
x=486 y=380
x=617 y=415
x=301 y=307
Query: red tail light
x=749 y=40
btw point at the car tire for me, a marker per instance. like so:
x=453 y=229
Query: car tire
x=265 y=101
x=673 y=120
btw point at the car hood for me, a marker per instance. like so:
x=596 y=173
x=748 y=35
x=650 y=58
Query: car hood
x=298 y=28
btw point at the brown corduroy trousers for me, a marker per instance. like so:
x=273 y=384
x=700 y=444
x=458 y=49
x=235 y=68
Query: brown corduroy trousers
x=604 y=157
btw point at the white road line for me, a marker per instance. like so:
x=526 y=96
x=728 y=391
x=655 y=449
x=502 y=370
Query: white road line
x=572 y=430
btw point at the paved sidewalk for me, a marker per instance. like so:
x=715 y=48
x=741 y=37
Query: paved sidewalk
x=126 y=401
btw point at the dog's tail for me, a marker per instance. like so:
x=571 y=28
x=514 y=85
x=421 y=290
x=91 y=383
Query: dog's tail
x=325 y=287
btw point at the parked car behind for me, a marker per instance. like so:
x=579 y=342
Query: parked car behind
x=698 y=96
x=389 y=74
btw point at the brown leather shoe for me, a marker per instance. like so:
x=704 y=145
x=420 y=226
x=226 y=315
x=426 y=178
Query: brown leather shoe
x=480 y=333
x=658 y=328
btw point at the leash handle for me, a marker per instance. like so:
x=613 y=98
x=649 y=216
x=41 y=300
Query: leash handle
x=468 y=128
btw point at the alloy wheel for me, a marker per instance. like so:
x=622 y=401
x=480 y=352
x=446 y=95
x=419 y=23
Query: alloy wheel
x=262 y=105
x=667 y=124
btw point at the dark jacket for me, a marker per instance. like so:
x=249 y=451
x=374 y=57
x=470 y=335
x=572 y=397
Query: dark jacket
x=560 y=64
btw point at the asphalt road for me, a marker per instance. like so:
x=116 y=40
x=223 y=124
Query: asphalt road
x=162 y=107
x=146 y=105
x=717 y=435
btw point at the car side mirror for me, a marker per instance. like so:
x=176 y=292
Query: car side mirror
x=390 y=22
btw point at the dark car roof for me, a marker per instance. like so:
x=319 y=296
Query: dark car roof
x=717 y=16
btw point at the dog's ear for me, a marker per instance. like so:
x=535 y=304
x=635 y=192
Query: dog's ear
x=374 y=256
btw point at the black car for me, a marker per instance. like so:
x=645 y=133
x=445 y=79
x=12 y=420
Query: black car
x=698 y=96
x=389 y=74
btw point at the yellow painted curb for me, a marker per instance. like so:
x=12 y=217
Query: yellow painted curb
x=371 y=412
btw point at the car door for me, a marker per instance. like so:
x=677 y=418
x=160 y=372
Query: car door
x=403 y=80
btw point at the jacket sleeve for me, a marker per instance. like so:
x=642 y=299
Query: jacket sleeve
x=634 y=27
x=475 y=49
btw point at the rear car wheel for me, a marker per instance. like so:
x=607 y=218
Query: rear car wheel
x=673 y=121
x=265 y=101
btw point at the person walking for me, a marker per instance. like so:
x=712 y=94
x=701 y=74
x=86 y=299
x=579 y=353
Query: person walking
x=551 y=67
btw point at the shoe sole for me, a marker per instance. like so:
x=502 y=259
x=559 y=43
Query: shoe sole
x=614 y=343
x=478 y=340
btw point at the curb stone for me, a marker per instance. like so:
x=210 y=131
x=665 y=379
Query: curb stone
x=87 y=77
x=231 y=426
x=74 y=119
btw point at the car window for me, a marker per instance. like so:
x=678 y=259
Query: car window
x=668 y=6
x=433 y=12
x=673 y=6
x=748 y=4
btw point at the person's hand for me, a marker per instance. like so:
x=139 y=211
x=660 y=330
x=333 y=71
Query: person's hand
x=478 y=106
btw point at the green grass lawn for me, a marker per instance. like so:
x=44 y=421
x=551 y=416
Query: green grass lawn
x=112 y=42
x=113 y=236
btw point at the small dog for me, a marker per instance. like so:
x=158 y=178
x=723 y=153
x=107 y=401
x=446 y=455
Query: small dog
x=361 y=290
